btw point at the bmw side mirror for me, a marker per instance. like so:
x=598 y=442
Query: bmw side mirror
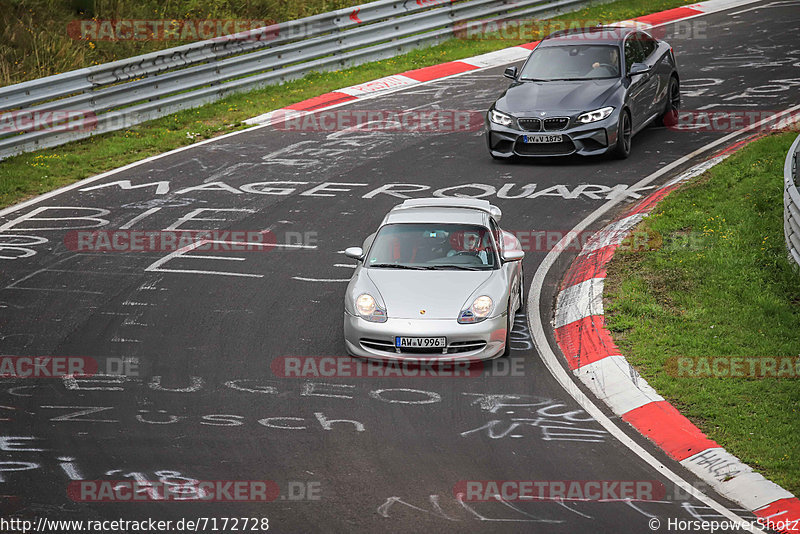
x=513 y=255
x=511 y=72
x=354 y=252
x=638 y=68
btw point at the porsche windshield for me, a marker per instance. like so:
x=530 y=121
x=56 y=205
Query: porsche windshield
x=432 y=247
x=572 y=62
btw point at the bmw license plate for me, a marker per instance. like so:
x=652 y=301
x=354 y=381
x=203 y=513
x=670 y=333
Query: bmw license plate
x=420 y=342
x=542 y=138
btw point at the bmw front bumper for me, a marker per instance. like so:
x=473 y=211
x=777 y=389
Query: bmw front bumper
x=591 y=139
x=471 y=342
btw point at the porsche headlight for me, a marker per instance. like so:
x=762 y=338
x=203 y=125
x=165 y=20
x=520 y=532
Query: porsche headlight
x=479 y=310
x=366 y=304
x=594 y=116
x=368 y=309
x=498 y=117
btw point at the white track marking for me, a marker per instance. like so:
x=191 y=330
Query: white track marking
x=536 y=323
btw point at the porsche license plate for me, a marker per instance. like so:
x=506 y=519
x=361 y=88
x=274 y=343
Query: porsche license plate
x=542 y=138
x=420 y=342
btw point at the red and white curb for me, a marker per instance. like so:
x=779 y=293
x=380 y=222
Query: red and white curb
x=593 y=357
x=484 y=61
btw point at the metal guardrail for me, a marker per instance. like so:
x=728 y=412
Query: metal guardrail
x=791 y=201
x=130 y=91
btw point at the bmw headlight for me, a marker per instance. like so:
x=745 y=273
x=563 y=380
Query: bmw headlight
x=479 y=310
x=368 y=309
x=498 y=117
x=594 y=116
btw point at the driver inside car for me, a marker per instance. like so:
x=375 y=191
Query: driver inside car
x=468 y=243
x=610 y=63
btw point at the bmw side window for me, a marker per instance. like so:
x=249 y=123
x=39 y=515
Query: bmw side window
x=633 y=52
x=648 y=44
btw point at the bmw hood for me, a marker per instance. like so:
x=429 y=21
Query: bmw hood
x=442 y=294
x=575 y=96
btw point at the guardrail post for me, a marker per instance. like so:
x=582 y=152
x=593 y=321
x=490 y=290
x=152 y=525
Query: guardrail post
x=791 y=203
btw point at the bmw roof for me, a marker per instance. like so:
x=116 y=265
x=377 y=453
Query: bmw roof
x=588 y=35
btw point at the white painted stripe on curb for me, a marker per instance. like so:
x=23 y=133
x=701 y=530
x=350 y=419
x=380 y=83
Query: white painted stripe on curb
x=710 y=6
x=498 y=57
x=617 y=384
x=381 y=85
x=750 y=488
x=612 y=234
x=579 y=301
x=697 y=170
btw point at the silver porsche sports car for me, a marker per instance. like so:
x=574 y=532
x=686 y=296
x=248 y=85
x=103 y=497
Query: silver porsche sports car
x=439 y=281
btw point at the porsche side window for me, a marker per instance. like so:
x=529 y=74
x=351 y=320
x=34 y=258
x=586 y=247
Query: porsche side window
x=498 y=235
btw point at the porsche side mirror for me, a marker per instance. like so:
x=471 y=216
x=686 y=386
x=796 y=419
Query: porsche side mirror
x=354 y=252
x=511 y=72
x=513 y=255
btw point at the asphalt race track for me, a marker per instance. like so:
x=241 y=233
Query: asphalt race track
x=202 y=331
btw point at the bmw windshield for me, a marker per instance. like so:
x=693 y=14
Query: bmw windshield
x=432 y=247
x=572 y=62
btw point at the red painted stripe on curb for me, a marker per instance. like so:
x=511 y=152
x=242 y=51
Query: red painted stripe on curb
x=588 y=266
x=530 y=46
x=433 y=72
x=321 y=101
x=786 y=511
x=585 y=341
x=646 y=205
x=736 y=146
x=668 y=15
x=662 y=424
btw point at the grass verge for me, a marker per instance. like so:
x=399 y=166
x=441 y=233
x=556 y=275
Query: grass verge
x=37 y=172
x=732 y=293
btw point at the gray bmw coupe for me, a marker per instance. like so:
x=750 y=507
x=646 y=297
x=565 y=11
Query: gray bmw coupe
x=584 y=91
x=438 y=281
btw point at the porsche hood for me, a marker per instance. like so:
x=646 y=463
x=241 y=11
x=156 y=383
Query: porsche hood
x=441 y=294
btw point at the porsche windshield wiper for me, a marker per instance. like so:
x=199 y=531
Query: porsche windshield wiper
x=397 y=266
x=460 y=267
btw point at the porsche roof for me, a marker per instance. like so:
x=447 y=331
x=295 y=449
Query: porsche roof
x=443 y=210
x=438 y=215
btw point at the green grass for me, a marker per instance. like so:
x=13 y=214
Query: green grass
x=734 y=293
x=34 y=41
x=37 y=172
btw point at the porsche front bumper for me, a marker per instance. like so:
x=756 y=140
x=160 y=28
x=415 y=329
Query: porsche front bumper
x=470 y=342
